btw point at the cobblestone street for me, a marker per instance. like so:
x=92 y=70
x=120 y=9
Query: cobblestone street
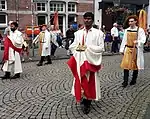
x=44 y=93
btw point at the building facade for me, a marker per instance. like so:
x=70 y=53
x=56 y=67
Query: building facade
x=102 y=18
x=42 y=11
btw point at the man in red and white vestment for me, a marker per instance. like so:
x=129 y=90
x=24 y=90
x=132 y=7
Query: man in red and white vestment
x=85 y=63
x=12 y=48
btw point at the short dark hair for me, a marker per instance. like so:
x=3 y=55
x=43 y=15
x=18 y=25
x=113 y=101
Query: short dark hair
x=15 y=24
x=89 y=14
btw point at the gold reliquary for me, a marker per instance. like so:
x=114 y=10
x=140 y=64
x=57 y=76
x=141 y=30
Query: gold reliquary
x=81 y=47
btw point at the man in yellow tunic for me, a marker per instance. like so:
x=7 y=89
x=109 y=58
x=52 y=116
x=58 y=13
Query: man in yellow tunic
x=132 y=50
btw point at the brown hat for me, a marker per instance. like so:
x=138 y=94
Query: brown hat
x=126 y=23
x=132 y=17
x=44 y=25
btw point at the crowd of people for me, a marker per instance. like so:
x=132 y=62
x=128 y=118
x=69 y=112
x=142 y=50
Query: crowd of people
x=114 y=37
x=86 y=46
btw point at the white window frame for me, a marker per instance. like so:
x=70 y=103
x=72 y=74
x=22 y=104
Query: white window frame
x=75 y=7
x=41 y=7
x=5 y=5
x=4 y=24
x=56 y=5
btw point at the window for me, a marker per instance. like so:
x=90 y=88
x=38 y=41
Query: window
x=71 y=7
x=41 y=20
x=3 y=19
x=71 y=20
x=57 y=6
x=60 y=21
x=2 y=4
x=41 y=7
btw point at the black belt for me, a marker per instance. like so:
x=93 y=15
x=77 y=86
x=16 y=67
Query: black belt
x=130 y=46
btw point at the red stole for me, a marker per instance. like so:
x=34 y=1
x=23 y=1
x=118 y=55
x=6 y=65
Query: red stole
x=8 y=44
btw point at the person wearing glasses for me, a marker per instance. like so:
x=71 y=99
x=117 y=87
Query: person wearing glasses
x=132 y=50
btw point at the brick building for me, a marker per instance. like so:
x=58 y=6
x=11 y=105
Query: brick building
x=43 y=11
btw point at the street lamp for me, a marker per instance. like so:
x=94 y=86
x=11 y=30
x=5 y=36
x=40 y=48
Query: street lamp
x=116 y=3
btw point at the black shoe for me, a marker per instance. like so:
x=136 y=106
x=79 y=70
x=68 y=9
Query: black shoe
x=39 y=64
x=6 y=76
x=48 y=63
x=82 y=101
x=87 y=106
x=124 y=84
x=133 y=82
x=16 y=76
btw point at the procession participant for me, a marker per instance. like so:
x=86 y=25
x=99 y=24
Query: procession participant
x=7 y=30
x=54 y=43
x=115 y=34
x=25 y=47
x=44 y=39
x=69 y=38
x=132 y=50
x=85 y=63
x=12 y=47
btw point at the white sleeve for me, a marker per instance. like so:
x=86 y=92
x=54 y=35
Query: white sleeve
x=75 y=44
x=6 y=31
x=53 y=37
x=112 y=32
x=47 y=38
x=100 y=44
x=19 y=40
x=141 y=37
x=123 y=43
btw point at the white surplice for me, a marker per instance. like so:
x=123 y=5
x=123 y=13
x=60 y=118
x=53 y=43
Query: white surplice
x=46 y=43
x=94 y=40
x=14 y=57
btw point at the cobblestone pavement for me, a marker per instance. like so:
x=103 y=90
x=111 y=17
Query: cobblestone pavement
x=44 y=93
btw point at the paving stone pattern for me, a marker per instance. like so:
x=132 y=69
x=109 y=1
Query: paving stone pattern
x=44 y=93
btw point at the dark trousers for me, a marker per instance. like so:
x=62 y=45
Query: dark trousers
x=42 y=60
x=48 y=58
x=134 y=75
x=67 y=43
x=115 y=43
x=53 y=49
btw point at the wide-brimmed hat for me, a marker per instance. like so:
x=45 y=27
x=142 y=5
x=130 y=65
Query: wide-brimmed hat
x=43 y=25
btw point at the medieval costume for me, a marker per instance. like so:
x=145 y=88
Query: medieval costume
x=11 y=58
x=85 y=64
x=133 y=58
x=44 y=39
